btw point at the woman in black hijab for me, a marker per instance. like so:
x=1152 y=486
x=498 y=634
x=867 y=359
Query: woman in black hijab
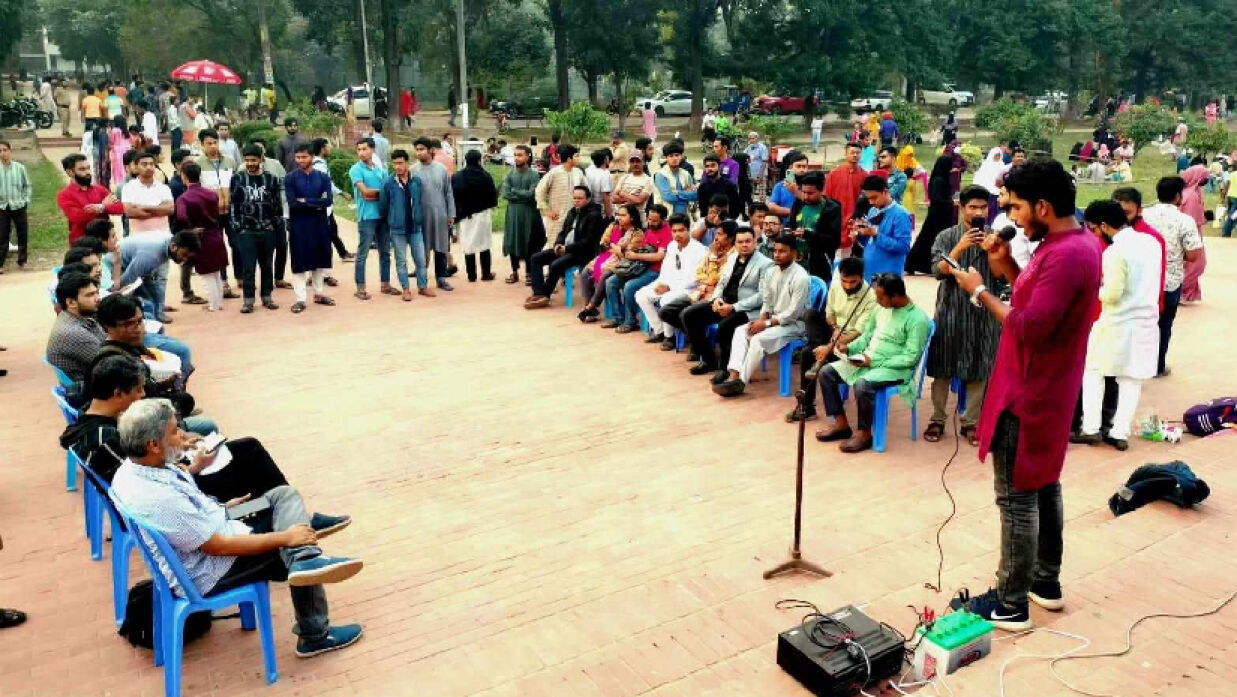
x=942 y=214
x=475 y=199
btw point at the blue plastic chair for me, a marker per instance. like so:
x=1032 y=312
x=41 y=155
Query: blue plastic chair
x=170 y=611
x=70 y=417
x=122 y=541
x=885 y=397
x=61 y=376
x=569 y=286
x=959 y=389
x=816 y=300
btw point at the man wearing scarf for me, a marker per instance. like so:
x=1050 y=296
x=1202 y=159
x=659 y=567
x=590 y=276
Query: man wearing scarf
x=475 y=197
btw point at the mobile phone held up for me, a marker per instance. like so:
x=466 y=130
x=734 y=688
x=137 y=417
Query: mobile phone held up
x=979 y=222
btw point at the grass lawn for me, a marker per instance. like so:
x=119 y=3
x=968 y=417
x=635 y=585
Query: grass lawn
x=48 y=231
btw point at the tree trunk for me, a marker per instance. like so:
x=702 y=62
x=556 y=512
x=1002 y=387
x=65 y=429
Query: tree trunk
x=618 y=99
x=696 y=67
x=998 y=90
x=910 y=91
x=591 y=81
x=358 y=45
x=555 y=9
x=390 y=57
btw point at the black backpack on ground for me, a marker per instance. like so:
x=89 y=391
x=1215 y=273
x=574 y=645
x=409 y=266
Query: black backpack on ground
x=139 y=624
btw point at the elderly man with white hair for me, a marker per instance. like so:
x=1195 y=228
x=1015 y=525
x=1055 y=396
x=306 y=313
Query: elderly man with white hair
x=224 y=546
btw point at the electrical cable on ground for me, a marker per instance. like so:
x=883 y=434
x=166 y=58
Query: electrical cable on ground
x=953 y=504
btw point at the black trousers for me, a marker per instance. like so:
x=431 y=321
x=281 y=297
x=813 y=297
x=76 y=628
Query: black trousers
x=441 y=265
x=470 y=264
x=281 y=249
x=819 y=333
x=544 y=283
x=255 y=250
x=1106 y=412
x=340 y=249
x=696 y=320
x=672 y=313
x=14 y=220
x=536 y=242
x=251 y=472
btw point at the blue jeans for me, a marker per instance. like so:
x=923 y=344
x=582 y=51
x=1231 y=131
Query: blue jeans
x=621 y=294
x=201 y=425
x=369 y=231
x=401 y=241
x=153 y=291
x=173 y=346
x=1227 y=229
x=815 y=139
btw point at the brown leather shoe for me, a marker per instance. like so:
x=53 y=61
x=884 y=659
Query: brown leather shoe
x=427 y=292
x=856 y=444
x=535 y=302
x=833 y=433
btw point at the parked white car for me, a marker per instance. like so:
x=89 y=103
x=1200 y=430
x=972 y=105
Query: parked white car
x=670 y=103
x=361 y=107
x=1051 y=102
x=879 y=101
x=947 y=96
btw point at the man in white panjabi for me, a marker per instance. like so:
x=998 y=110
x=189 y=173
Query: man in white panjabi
x=1125 y=340
x=784 y=293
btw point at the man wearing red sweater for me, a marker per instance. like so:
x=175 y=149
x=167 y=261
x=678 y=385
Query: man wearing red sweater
x=81 y=201
x=844 y=184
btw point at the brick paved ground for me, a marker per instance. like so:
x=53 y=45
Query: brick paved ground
x=549 y=509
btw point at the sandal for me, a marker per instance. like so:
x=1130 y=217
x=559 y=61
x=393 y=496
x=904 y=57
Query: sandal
x=11 y=618
x=391 y=291
x=246 y=308
x=933 y=432
x=323 y=300
x=359 y=295
x=298 y=307
x=283 y=284
x=971 y=434
x=270 y=305
x=331 y=281
x=407 y=295
x=194 y=300
x=513 y=278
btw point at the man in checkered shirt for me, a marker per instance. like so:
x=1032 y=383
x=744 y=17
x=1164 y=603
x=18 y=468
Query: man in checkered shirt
x=275 y=544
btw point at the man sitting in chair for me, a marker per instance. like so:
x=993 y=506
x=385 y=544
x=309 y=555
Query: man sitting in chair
x=784 y=295
x=886 y=354
x=278 y=542
x=674 y=283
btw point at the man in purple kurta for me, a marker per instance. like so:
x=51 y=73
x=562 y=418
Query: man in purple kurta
x=1034 y=385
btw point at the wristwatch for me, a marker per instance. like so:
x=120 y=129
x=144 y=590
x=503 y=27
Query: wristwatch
x=976 y=293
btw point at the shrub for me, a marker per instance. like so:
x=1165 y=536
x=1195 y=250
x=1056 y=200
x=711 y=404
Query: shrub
x=579 y=123
x=339 y=162
x=245 y=131
x=313 y=123
x=911 y=120
x=773 y=128
x=1145 y=122
x=1019 y=121
x=1210 y=140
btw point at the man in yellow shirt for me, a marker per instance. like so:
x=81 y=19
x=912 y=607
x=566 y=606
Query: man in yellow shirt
x=92 y=106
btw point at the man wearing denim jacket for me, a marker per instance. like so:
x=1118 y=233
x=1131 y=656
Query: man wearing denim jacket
x=401 y=206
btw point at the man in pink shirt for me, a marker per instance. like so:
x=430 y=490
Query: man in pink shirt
x=844 y=185
x=1035 y=381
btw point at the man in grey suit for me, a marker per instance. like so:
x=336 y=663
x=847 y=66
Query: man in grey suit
x=735 y=301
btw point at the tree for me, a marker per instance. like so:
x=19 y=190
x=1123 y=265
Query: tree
x=592 y=26
x=691 y=21
x=1210 y=140
x=86 y=32
x=579 y=122
x=554 y=8
x=1007 y=55
x=1144 y=123
x=12 y=14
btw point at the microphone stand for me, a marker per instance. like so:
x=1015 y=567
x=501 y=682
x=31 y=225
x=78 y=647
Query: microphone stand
x=796 y=561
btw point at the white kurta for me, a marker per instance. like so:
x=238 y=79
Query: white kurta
x=1125 y=340
x=475 y=232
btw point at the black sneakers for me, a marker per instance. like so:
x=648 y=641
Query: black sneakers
x=1015 y=618
x=1047 y=595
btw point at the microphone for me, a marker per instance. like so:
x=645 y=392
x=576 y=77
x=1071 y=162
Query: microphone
x=1007 y=233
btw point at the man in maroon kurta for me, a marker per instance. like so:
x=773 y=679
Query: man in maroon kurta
x=844 y=184
x=1034 y=385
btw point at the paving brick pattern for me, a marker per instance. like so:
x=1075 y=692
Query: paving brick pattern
x=549 y=509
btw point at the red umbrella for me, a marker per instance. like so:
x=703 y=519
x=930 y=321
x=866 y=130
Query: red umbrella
x=206 y=71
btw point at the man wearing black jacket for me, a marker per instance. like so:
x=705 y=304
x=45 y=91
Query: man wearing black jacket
x=713 y=183
x=256 y=208
x=817 y=220
x=575 y=245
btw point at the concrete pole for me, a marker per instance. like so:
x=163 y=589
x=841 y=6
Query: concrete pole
x=459 y=37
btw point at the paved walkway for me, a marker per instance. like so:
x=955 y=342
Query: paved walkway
x=550 y=509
